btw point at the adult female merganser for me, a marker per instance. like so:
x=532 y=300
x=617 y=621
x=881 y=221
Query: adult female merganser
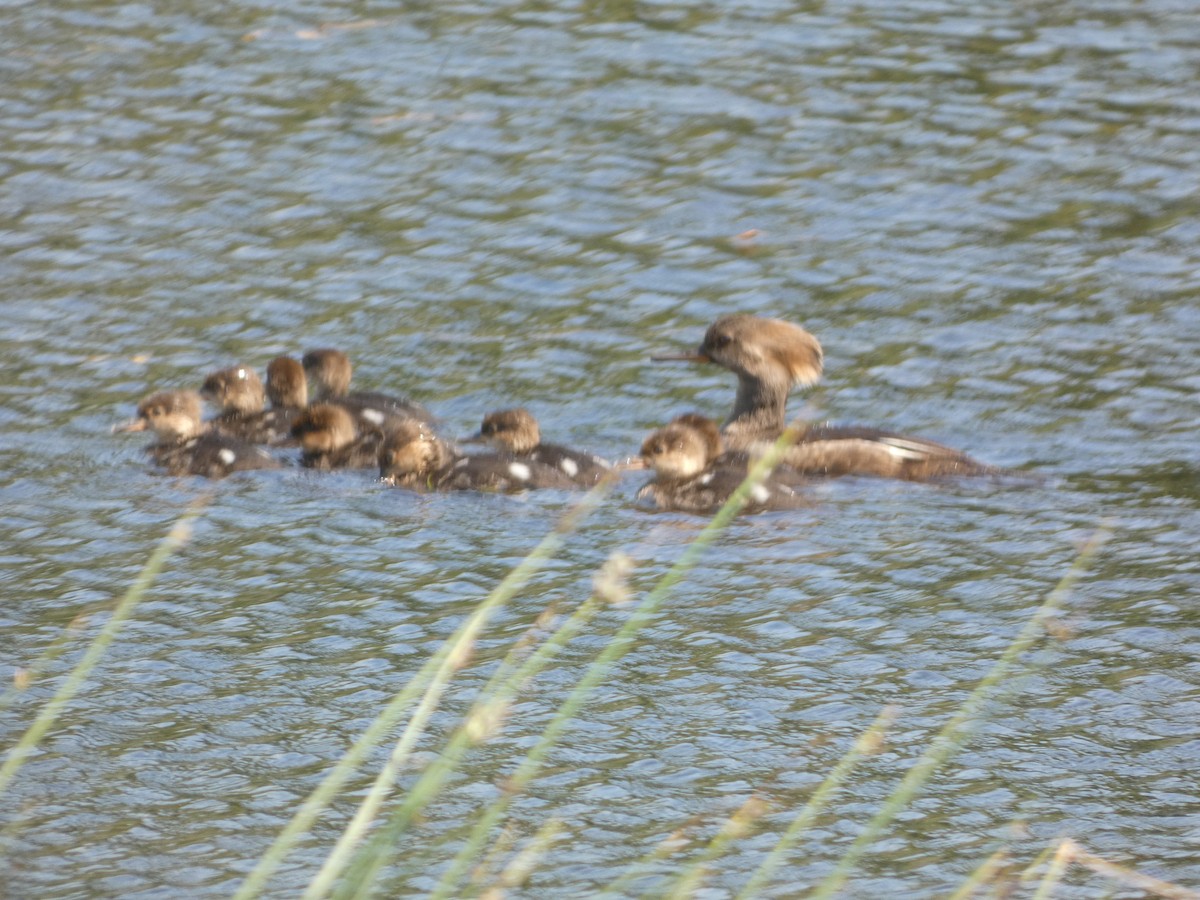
x=330 y=438
x=330 y=371
x=769 y=357
x=412 y=456
x=184 y=446
x=516 y=431
x=693 y=474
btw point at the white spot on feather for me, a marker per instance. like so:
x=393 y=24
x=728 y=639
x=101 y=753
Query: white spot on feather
x=706 y=478
x=760 y=494
x=568 y=466
x=520 y=471
x=226 y=456
x=374 y=416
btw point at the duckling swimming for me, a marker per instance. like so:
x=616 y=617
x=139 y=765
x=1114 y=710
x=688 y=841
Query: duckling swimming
x=516 y=431
x=185 y=446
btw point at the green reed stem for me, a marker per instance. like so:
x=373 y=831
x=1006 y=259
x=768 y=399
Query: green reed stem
x=984 y=873
x=493 y=701
x=736 y=826
x=426 y=678
x=867 y=742
x=1054 y=872
x=953 y=735
x=176 y=538
x=596 y=672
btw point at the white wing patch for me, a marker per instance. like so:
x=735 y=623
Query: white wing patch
x=902 y=449
x=568 y=465
x=760 y=494
x=226 y=456
x=519 y=471
x=374 y=416
x=706 y=478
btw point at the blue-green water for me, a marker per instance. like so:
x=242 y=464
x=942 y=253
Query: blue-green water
x=989 y=215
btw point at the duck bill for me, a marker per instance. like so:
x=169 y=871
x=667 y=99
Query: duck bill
x=695 y=357
x=632 y=464
x=131 y=425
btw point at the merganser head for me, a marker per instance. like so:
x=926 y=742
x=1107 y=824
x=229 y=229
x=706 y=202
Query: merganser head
x=173 y=416
x=237 y=390
x=324 y=428
x=768 y=350
x=514 y=430
x=411 y=454
x=330 y=371
x=286 y=386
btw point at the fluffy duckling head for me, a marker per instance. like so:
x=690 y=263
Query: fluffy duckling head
x=173 y=416
x=286 y=386
x=682 y=449
x=411 y=455
x=330 y=371
x=514 y=430
x=324 y=428
x=236 y=390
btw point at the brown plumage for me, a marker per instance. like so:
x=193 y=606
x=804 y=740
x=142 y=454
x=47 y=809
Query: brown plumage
x=413 y=457
x=516 y=431
x=693 y=474
x=331 y=372
x=770 y=357
x=185 y=446
x=330 y=439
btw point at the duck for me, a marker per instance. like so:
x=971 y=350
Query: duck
x=769 y=358
x=187 y=446
x=239 y=394
x=330 y=438
x=331 y=372
x=693 y=472
x=516 y=432
x=412 y=456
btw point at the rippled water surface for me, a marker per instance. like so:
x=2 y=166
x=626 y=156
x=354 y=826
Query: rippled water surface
x=988 y=212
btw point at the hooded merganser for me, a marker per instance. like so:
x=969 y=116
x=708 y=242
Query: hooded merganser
x=184 y=446
x=331 y=372
x=516 y=431
x=413 y=457
x=693 y=474
x=769 y=357
x=240 y=395
x=330 y=438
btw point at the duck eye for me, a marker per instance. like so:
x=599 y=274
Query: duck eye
x=719 y=341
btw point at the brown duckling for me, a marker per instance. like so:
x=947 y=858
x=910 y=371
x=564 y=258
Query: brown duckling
x=185 y=446
x=516 y=431
x=693 y=474
x=330 y=438
x=413 y=457
x=239 y=394
x=331 y=371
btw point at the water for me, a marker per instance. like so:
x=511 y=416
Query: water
x=988 y=215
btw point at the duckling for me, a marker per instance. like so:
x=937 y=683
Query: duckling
x=239 y=393
x=184 y=445
x=770 y=357
x=331 y=371
x=516 y=431
x=330 y=439
x=692 y=474
x=413 y=457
